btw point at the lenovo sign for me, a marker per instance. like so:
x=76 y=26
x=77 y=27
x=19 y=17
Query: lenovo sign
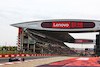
x=83 y=41
x=68 y=25
x=60 y=24
x=78 y=41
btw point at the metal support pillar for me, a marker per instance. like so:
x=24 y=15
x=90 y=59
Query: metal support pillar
x=97 y=50
x=28 y=44
x=22 y=40
x=42 y=50
x=34 y=48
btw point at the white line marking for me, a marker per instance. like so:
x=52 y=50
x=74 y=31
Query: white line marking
x=9 y=63
x=82 y=59
x=1 y=64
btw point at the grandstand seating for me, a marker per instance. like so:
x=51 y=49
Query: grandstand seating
x=51 y=46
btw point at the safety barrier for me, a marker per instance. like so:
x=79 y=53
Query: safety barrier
x=23 y=55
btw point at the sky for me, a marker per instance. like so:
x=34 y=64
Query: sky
x=17 y=11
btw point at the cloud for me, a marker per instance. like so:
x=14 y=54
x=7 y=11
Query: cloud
x=15 y=11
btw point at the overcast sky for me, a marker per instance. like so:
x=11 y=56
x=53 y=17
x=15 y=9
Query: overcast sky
x=16 y=11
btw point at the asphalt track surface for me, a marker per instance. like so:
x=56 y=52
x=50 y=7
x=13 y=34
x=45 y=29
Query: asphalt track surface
x=3 y=60
x=75 y=62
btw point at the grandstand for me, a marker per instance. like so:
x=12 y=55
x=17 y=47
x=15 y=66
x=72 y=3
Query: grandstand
x=43 y=44
x=48 y=36
x=41 y=41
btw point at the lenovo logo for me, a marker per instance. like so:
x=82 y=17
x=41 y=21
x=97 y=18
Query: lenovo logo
x=60 y=24
x=81 y=41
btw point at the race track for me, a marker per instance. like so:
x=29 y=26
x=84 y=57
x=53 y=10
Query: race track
x=61 y=61
x=3 y=60
x=75 y=62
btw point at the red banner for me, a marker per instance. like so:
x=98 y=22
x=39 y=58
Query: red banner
x=22 y=55
x=6 y=55
x=18 y=55
x=13 y=55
